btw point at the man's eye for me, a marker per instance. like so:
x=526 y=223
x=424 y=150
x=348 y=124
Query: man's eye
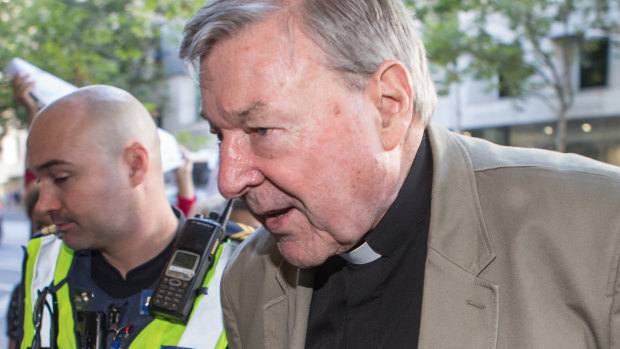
x=60 y=179
x=217 y=133
x=262 y=131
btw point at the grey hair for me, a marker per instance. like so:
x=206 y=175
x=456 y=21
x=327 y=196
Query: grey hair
x=356 y=35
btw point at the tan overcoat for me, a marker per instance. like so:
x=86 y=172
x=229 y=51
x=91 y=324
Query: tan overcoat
x=523 y=252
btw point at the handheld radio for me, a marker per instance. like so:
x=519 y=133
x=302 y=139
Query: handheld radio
x=176 y=290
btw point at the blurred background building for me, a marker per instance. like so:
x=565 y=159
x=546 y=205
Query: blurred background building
x=542 y=74
x=484 y=110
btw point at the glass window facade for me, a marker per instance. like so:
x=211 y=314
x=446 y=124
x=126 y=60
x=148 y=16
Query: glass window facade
x=597 y=138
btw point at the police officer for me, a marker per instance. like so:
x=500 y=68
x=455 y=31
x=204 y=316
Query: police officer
x=96 y=154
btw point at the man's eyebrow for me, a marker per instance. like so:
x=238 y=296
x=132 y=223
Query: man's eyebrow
x=51 y=163
x=245 y=114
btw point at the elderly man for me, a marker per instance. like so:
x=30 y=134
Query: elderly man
x=96 y=154
x=382 y=229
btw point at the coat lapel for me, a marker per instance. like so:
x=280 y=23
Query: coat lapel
x=286 y=316
x=459 y=310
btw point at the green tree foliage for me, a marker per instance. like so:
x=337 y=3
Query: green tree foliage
x=538 y=55
x=191 y=142
x=115 y=42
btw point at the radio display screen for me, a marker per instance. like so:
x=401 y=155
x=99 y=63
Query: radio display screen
x=184 y=260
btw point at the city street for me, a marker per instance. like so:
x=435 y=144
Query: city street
x=15 y=230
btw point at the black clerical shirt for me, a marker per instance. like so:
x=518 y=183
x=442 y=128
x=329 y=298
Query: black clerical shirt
x=378 y=304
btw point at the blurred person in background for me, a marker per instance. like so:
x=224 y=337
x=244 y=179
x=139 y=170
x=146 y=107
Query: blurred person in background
x=38 y=221
x=186 y=192
x=22 y=86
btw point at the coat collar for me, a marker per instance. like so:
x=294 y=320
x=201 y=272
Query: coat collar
x=458 y=308
x=457 y=230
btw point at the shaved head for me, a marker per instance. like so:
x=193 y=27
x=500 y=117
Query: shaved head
x=97 y=156
x=104 y=117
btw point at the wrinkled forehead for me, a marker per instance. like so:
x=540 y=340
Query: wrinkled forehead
x=277 y=37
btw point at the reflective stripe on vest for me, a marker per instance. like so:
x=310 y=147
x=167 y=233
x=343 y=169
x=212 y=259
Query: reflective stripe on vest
x=207 y=324
x=48 y=260
x=204 y=329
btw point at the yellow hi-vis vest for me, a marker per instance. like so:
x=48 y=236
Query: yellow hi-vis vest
x=48 y=262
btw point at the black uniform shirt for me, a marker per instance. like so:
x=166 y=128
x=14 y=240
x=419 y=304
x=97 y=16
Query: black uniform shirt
x=378 y=304
x=142 y=277
x=96 y=286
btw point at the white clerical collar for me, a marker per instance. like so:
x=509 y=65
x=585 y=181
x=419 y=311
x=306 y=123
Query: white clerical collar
x=361 y=255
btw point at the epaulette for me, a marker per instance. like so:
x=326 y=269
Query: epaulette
x=49 y=230
x=238 y=231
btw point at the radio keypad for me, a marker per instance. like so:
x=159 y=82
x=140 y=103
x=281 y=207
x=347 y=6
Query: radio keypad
x=170 y=292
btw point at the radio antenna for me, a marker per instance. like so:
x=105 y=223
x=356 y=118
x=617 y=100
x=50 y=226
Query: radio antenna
x=225 y=215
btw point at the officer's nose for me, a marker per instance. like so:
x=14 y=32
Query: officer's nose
x=48 y=199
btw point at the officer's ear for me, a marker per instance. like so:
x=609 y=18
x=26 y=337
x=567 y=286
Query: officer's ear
x=137 y=159
x=392 y=94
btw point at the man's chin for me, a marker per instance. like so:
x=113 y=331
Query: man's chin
x=301 y=257
x=74 y=243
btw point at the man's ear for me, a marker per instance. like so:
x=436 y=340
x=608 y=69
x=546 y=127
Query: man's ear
x=394 y=101
x=137 y=159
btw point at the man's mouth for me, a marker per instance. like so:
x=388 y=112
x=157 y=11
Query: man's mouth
x=61 y=223
x=276 y=218
x=276 y=214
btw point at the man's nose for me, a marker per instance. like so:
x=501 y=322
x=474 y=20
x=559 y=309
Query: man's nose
x=47 y=201
x=238 y=167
